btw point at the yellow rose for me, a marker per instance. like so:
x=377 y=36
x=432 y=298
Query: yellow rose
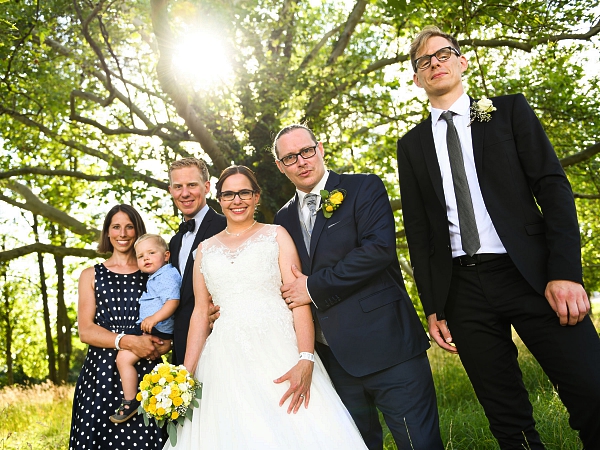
x=153 y=400
x=174 y=415
x=336 y=198
x=155 y=378
x=156 y=390
x=160 y=412
x=138 y=397
x=180 y=378
x=175 y=392
x=169 y=378
x=177 y=401
x=144 y=384
x=191 y=382
x=147 y=378
x=151 y=408
x=329 y=208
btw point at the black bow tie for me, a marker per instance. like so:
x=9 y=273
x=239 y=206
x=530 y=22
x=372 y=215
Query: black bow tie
x=186 y=226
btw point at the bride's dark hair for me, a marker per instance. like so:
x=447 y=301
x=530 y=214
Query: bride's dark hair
x=242 y=170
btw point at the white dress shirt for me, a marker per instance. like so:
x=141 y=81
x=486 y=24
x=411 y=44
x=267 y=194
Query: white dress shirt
x=490 y=241
x=188 y=239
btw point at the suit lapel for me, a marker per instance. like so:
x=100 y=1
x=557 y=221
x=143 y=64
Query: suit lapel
x=189 y=265
x=294 y=228
x=332 y=182
x=431 y=160
x=175 y=249
x=477 y=128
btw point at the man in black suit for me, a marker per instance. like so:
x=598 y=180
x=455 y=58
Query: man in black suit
x=188 y=185
x=494 y=241
x=368 y=333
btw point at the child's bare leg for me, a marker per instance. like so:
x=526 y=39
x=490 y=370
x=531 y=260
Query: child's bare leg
x=126 y=361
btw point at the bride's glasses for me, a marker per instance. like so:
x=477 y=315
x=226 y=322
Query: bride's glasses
x=244 y=194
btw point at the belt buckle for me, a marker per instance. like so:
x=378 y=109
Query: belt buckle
x=469 y=261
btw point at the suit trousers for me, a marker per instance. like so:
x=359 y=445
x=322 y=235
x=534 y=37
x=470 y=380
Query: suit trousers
x=484 y=301
x=405 y=395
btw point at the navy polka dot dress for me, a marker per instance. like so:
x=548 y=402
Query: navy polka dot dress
x=98 y=391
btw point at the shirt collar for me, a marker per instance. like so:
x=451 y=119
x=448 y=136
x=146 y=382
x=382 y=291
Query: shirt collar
x=460 y=107
x=158 y=272
x=316 y=190
x=199 y=217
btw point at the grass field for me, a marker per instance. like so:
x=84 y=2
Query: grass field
x=38 y=417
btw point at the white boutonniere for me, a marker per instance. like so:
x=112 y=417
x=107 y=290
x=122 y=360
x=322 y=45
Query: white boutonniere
x=481 y=110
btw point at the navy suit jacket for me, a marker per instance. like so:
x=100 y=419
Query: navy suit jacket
x=354 y=278
x=212 y=224
x=525 y=191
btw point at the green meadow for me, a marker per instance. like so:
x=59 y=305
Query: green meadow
x=38 y=417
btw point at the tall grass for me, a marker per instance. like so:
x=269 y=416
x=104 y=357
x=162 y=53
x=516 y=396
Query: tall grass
x=38 y=417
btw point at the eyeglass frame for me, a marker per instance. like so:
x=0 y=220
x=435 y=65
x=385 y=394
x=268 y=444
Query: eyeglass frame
x=296 y=155
x=449 y=47
x=238 y=193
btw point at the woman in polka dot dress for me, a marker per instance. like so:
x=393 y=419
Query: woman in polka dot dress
x=108 y=305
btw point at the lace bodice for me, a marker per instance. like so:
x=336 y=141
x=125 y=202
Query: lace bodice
x=245 y=283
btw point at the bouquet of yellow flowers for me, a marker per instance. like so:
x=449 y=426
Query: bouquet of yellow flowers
x=166 y=394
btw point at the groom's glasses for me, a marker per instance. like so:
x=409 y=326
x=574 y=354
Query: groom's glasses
x=443 y=54
x=244 y=194
x=292 y=158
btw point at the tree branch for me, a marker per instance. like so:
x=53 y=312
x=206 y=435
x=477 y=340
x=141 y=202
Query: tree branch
x=59 y=173
x=317 y=48
x=169 y=84
x=344 y=40
x=528 y=46
x=586 y=196
x=583 y=155
x=113 y=160
x=36 y=206
x=47 y=248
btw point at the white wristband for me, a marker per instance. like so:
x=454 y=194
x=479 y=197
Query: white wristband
x=306 y=355
x=118 y=339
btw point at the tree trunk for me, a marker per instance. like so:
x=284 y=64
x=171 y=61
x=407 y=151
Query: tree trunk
x=47 y=327
x=63 y=324
x=6 y=306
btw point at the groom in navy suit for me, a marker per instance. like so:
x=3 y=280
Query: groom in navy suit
x=368 y=334
x=494 y=241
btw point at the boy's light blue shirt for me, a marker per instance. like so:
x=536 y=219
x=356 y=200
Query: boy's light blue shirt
x=162 y=285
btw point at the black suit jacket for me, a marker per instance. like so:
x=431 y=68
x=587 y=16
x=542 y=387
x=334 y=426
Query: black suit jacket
x=525 y=191
x=354 y=278
x=212 y=224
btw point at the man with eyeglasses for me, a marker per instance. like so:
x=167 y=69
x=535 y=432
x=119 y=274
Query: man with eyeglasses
x=494 y=242
x=189 y=182
x=368 y=334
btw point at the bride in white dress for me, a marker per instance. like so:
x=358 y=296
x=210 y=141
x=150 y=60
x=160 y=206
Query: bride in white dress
x=257 y=393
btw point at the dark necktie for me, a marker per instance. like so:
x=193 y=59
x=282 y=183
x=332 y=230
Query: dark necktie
x=186 y=226
x=466 y=216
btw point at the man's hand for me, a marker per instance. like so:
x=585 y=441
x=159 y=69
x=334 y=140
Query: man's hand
x=438 y=330
x=145 y=346
x=295 y=293
x=148 y=323
x=299 y=377
x=568 y=300
x=213 y=313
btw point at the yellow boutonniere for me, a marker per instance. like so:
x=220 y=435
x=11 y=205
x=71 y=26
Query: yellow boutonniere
x=330 y=201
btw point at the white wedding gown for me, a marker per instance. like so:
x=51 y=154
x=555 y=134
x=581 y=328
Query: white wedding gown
x=253 y=343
